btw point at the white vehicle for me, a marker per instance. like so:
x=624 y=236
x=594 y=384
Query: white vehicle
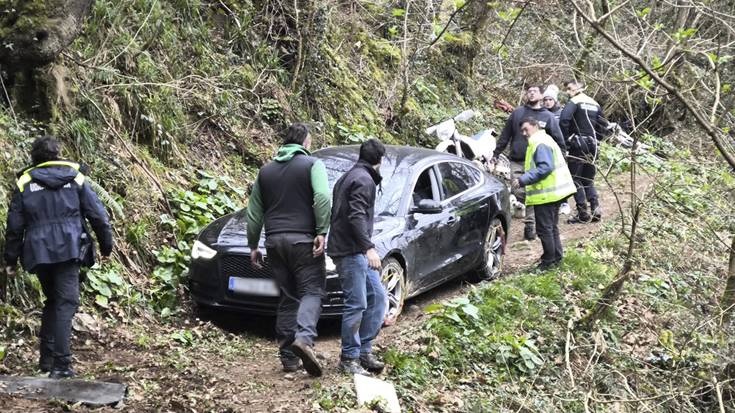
x=478 y=148
x=620 y=137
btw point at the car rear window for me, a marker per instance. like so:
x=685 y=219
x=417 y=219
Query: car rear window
x=389 y=193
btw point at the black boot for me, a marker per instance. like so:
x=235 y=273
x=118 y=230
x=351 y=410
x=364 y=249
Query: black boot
x=371 y=363
x=291 y=364
x=46 y=359
x=582 y=217
x=529 y=233
x=306 y=353
x=596 y=211
x=62 y=368
x=352 y=366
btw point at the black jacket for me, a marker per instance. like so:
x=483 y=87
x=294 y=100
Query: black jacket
x=45 y=218
x=512 y=131
x=582 y=116
x=353 y=211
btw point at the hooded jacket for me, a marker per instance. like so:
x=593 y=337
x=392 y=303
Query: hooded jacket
x=512 y=131
x=353 y=211
x=46 y=217
x=290 y=195
x=582 y=116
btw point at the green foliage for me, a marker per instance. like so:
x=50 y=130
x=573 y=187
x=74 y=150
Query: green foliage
x=184 y=337
x=21 y=16
x=509 y=14
x=109 y=288
x=683 y=34
x=642 y=13
x=503 y=331
x=210 y=198
x=335 y=398
x=617 y=158
x=353 y=134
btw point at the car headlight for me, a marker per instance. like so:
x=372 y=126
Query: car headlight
x=201 y=251
x=329 y=263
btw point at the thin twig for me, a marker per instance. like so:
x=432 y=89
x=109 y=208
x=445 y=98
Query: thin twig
x=567 y=349
x=513 y=23
x=7 y=97
x=135 y=36
x=132 y=155
x=704 y=123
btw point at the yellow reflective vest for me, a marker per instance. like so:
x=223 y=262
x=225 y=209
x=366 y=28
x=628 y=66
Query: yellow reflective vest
x=25 y=177
x=558 y=184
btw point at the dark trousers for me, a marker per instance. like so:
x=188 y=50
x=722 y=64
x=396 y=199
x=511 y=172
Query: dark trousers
x=547 y=229
x=60 y=285
x=517 y=169
x=301 y=279
x=583 y=174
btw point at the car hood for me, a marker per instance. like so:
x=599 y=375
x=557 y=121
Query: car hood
x=231 y=230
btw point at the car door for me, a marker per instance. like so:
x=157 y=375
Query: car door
x=423 y=230
x=466 y=221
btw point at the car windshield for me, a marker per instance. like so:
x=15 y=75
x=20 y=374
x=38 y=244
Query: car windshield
x=390 y=190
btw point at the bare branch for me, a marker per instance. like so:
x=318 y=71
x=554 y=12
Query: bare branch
x=704 y=123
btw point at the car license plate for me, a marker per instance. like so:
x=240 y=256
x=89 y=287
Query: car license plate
x=254 y=286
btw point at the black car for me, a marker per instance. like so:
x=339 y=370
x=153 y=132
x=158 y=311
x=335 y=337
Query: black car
x=438 y=216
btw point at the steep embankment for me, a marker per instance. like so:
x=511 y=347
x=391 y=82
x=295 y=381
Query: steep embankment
x=174 y=106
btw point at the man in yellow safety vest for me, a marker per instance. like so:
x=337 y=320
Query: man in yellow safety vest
x=548 y=182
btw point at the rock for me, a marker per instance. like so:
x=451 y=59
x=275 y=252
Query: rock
x=86 y=323
x=37 y=31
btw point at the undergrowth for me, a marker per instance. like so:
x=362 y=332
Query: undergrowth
x=512 y=344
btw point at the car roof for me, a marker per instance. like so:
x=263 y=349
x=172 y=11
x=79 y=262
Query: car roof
x=401 y=156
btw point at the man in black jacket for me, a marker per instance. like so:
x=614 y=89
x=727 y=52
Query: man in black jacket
x=291 y=198
x=357 y=261
x=518 y=144
x=46 y=230
x=579 y=121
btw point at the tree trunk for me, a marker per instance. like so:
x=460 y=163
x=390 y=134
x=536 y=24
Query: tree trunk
x=34 y=32
x=728 y=298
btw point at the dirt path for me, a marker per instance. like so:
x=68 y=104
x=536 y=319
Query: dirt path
x=521 y=254
x=229 y=363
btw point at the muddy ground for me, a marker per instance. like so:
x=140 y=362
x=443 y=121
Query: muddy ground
x=229 y=362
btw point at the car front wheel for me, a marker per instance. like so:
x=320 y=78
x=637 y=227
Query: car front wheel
x=394 y=280
x=493 y=251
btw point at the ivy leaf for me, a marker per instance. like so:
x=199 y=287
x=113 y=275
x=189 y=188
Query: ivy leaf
x=433 y=308
x=101 y=301
x=643 y=12
x=453 y=316
x=471 y=311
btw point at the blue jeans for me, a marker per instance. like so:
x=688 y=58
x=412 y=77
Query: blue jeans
x=365 y=304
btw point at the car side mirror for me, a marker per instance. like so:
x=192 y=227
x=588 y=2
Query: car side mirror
x=428 y=206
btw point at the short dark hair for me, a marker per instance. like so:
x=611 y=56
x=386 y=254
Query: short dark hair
x=530 y=120
x=574 y=82
x=44 y=149
x=535 y=85
x=296 y=133
x=372 y=151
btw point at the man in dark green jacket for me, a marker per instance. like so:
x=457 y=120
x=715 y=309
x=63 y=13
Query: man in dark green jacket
x=291 y=198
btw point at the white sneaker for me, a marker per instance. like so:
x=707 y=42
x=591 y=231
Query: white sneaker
x=564 y=208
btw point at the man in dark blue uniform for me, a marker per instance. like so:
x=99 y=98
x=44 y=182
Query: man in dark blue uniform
x=46 y=231
x=579 y=122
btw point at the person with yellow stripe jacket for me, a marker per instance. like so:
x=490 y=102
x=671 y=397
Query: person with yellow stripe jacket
x=46 y=231
x=548 y=182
